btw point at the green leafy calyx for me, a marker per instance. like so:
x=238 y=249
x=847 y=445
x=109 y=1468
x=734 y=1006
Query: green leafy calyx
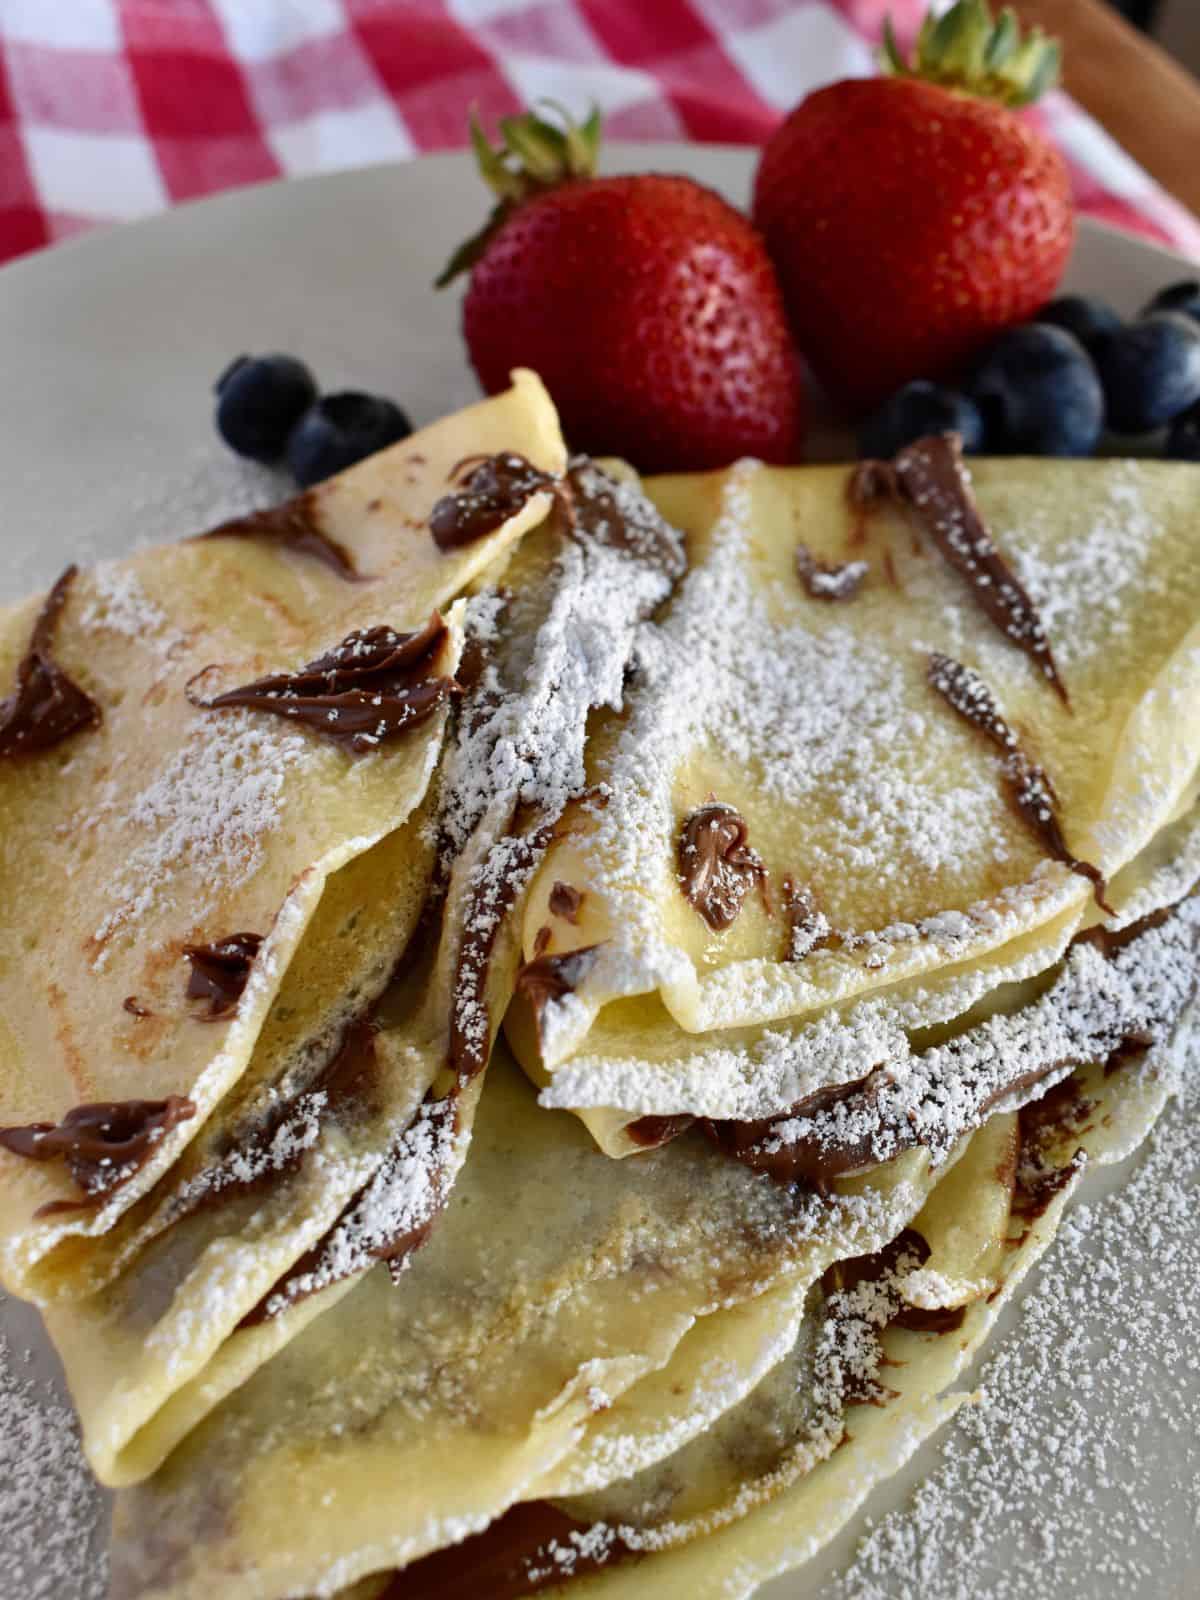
x=534 y=155
x=970 y=49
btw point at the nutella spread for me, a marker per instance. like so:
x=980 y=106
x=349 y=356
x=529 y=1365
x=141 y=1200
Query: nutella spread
x=652 y=1132
x=293 y=524
x=851 y=1127
x=331 y=1260
x=373 y=686
x=717 y=868
x=102 y=1145
x=1030 y=789
x=495 y=489
x=548 y=978
x=345 y=1088
x=808 y=928
x=46 y=706
x=512 y=1558
x=791 y=1158
x=931 y=479
x=1062 y=1113
x=565 y=901
x=887 y=1267
x=221 y=970
x=493 y=895
x=829 y=580
x=593 y=508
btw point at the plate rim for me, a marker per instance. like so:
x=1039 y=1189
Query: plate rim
x=74 y=247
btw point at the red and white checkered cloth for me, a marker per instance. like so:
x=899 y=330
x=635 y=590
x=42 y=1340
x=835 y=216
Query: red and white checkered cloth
x=111 y=109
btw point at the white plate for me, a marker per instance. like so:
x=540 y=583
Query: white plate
x=110 y=346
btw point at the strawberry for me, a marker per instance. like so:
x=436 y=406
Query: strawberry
x=914 y=216
x=648 y=305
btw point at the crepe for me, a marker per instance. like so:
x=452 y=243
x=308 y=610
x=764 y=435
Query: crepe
x=815 y=876
x=769 y=1521
x=169 y=824
x=555 y=1281
x=344 y=1135
x=842 y=775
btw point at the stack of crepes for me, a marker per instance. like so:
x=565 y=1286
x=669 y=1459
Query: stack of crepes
x=822 y=839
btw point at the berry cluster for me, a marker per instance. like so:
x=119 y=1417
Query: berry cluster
x=1059 y=385
x=270 y=409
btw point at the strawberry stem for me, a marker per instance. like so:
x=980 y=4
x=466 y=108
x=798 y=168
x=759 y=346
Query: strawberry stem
x=969 y=49
x=534 y=155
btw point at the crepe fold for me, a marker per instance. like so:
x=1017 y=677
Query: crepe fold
x=827 y=841
x=848 y=794
x=660 y=1349
x=183 y=836
x=342 y=1139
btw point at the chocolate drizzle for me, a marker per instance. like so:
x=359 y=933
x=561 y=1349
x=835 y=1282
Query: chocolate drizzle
x=531 y=1548
x=46 y=706
x=220 y=971
x=717 y=868
x=829 y=580
x=102 y=1145
x=931 y=478
x=548 y=978
x=650 y=1133
x=495 y=489
x=594 y=510
x=808 y=928
x=565 y=901
x=494 y=891
x=1029 y=788
x=1099 y=1008
x=293 y=524
x=371 y=687
x=789 y=1157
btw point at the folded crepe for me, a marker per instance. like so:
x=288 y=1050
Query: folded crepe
x=411 y=1413
x=349 y=1123
x=894 y=739
x=506 y=1365
x=810 y=879
x=197 y=737
x=865 y=1384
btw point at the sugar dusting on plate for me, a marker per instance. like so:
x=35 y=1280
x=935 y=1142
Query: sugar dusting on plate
x=1079 y=1470
x=51 y=1510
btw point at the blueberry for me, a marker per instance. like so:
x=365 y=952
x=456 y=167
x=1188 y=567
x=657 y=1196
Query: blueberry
x=918 y=409
x=1089 y=319
x=1183 y=441
x=260 y=399
x=1150 y=372
x=1038 y=393
x=1183 y=297
x=341 y=429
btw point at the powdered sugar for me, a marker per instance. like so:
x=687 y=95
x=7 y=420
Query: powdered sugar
x=526 y=745
x=404 y=1196
x=1078 y=1472
x=1095 y=1003
x=51 y=1533
x=521 y=738
x=1087 y=590
x=814 y=717
x=209 y=811
x=117 y=603
x=245 y=1165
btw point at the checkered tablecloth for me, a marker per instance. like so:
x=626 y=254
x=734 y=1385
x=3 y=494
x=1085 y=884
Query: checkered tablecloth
x=112 y=109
